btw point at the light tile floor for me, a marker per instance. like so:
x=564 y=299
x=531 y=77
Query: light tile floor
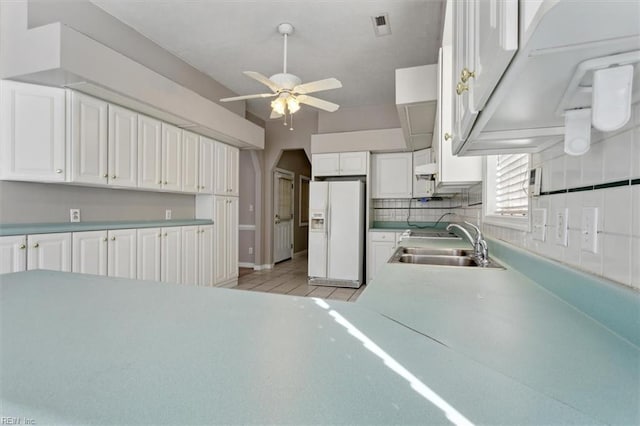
x=290 y=277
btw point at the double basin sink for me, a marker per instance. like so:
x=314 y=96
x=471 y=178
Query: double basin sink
x=439 y=256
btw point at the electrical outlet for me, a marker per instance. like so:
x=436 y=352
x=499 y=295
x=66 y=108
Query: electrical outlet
x=74 y=215
x=561 y=227
x=250 y=207
x=589 y=229
x=539 y=224
x=167 y=214
x=250 y=250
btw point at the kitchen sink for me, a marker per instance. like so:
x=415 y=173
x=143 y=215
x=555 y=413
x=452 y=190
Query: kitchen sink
x=441 y=257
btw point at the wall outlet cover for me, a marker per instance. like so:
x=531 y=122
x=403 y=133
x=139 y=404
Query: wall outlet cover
x=589 y=229
x=561 y=227
x=167 y=214
x=539 y=224
x=74 y=215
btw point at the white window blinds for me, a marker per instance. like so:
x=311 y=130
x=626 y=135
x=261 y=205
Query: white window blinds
x=511 y=185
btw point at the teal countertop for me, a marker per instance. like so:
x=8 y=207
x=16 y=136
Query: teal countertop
x=50 y=228
x=506 y=322
x=80 y=349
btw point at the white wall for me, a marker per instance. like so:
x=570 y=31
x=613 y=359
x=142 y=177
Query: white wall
x=358 y=118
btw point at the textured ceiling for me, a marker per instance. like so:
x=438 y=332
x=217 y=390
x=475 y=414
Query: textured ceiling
x=332 y=38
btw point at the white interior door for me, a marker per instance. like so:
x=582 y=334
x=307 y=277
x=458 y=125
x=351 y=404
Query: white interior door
x=283 y=215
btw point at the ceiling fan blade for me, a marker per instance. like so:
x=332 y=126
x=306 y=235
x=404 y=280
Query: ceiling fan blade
x=239 y=98
x=318 y=103
x=318 y=86
x=263 y=79
x=274 y=115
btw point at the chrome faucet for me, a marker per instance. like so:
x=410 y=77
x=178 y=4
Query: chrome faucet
x=480 y=248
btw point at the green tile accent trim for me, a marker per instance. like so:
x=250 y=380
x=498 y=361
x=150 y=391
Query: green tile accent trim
x=51 y=228
x=581 y=188
x=613 y=305
x=612 y=184
x=635 y=181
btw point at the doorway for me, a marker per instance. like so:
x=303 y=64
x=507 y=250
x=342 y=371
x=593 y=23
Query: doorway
x=283 y=218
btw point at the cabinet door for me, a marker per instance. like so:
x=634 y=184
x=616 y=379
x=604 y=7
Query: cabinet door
x=463 y=113
x=220 y=170
x=123 y=147
x=49 y=251
x=392 y=175
x=13 y=254
x=496 y=40
x=207 y=163
x=32 y=133
x=89 y=162
x=233 y=163
x=353 y=163
x=171 y=255
x=232 y=238
x=190 y=162
x=149 y=153
x=189 y=262
x=148 y=254
x=122 y=256
x=171 y=158
x=220 y=239
x=89 y=252
x=379 y=255
x=205 y=255
x=325 y=164
x=421 y=187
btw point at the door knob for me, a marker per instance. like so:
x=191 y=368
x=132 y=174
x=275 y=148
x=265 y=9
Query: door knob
x=465 y=75
x=461 y=88
x=447 y=136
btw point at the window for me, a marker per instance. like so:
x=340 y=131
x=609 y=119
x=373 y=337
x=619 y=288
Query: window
x=304 y=201
x=506 y=190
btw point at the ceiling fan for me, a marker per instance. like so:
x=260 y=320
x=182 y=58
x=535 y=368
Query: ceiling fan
x=288 y=89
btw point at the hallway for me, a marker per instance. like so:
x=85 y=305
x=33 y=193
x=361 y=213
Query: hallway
x=290 y=277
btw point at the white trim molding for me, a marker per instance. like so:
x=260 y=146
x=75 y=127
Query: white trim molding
x=299 y=253
x=246 y=227
x=262 y=267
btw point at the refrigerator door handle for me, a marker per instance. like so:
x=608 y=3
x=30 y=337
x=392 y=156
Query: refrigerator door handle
x=328 y=219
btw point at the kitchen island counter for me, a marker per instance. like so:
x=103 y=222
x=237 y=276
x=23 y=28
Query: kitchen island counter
x=79 y=349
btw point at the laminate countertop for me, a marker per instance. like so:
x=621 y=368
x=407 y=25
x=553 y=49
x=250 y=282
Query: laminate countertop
x=447 y=346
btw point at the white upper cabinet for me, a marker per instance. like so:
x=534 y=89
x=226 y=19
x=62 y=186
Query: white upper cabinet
x=340 y=164
x=13 y=254
x=123 y=147
x=171 y=157
x=206 y=167
x=392 y=175
x=226 y=169
x=32 y=132
x=190 y=163
x=88 y=139
x=49 y=251
x=149 y=153
x=148 y=254
x=90 y=252
x=122 y=256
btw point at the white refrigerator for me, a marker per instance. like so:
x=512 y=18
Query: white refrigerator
x=336 y=233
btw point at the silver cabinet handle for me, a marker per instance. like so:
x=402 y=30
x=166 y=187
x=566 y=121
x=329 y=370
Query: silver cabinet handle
x=104 y=239
x=113 y=238
x=106 y=175
x=36 y=245
x=113 y=177
x=58 y=171
x=22 y=246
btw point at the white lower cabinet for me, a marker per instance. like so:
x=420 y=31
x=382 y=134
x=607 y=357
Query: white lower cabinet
x=382 y=245
x=49 y=251
x=148 y=254
x=122 y=256
x=225 y=240
x=13 y=254
x=170 y=255
x=205 y=255
x=190 y=246
x=90 y=252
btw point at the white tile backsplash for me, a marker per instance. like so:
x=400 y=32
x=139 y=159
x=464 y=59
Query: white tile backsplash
x=617 y=157
x=592 y=165
x=635 y=264
x=635 y=211
x=617 y=210
x=616 y=258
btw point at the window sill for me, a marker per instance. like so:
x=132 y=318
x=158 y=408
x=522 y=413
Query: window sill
x=519 y=223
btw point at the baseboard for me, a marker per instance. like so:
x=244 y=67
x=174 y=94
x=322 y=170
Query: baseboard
x=300 y=253
x=261 y=267
x=246 y=265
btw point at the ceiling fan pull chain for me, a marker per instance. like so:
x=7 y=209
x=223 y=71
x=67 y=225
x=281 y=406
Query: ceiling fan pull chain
x=291 y=119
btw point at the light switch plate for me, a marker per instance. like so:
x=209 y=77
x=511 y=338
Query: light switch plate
x=589 y=229
x=561 y=227
x=167 y=214
x=539 y=224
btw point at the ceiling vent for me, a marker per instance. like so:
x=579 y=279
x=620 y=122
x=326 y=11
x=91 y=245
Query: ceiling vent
x=381 y=24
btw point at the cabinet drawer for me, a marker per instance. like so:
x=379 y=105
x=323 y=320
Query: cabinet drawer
x=383 y=236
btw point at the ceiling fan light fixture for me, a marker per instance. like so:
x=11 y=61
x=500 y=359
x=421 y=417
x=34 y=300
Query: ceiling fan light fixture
x=293 y=105
x=279 y=105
